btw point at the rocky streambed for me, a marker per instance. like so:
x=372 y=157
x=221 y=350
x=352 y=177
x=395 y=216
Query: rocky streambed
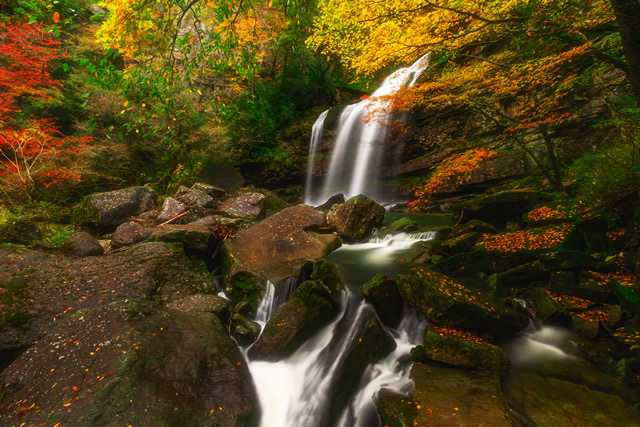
x=138 y=334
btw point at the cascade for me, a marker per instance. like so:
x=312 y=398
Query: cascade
x=316 y=139
x=359 y=147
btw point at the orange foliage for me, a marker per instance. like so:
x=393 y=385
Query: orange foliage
x=545 y=213
x=527 y=239
x=468 y=336
x=451 y=173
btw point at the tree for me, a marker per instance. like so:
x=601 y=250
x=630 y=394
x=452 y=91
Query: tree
x=30 y=146
x=628 y=19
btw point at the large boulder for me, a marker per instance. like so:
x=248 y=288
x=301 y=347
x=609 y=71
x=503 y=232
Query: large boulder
x=274 y=249
x=131 y=363
x=382 y=293
x=244 y=205
x=463 y=349
x=191 y=236
x=450 y=396
x=356 y=218
x=447 y=302
x=82 y=244
x=503 y=206
x=129 y=233
x=310 y=307
x=114 y=207
x=40 y=289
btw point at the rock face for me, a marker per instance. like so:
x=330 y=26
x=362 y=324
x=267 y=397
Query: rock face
x=356 y=218
x=115 y=207
x=449 y=396
x=446 y=302
x=39 y=288
x=244 y=205
x=310 y=307
x=132 y=363
x=274 y=249
x=82 y=244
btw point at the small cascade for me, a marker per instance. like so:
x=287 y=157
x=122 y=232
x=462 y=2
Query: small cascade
x=539 y=344
x=382 y=249
x=316 y=139
x=392 y=373
x=362 y=133
x=273 y=298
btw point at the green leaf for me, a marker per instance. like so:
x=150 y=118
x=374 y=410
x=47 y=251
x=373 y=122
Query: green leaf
x=65 y=67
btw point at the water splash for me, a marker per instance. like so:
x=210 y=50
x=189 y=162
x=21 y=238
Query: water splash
x=358 y=149
x=316 y=139
x=273 y=298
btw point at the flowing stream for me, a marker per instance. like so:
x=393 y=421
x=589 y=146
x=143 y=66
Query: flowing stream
x=362 y=132
x=297 y=390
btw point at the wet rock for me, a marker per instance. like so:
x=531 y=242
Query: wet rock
x=382 y=293
x=504 y=206
x=545 y=307
x=544 y=400
x=466 y=264
x=593 y=287
x=244 y=205
x=626 y=296
x=475 y=225
x=274 y=249
x=170 y=210
x=333 y=200
x=420 y=253
x=207 y=303
x=456 y=397
x=310 y=307
x=563 y=282
x=462 y=242
x=596 y=241
x=244 y=330
x=394 y=409
x=465 y=350
x=24 y=232
x=356 y=218
x=402 y=225
x=82 y=244
x=369 y=344
x=587 y=327
x=523 y=275
x=147 y=367
x=128 y=234
x=565 y=260
x=115 y=207
x=191 y=236
x=446 y=302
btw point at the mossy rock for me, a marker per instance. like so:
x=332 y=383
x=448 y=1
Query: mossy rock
x=402 y=225
x=395 y=410
x=466 y=264
x=546 y=308
x=503 y=206
x=445 y=301
x=462 y=242
x=475 y=225
x=465 y=350
x=628 y=298
x=382 y=293
x=523 y=275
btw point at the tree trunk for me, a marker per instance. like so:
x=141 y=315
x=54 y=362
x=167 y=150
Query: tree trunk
x=553 y=160
x=628 y=18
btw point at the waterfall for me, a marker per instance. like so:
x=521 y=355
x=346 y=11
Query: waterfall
x=358 y=149
x=316 y=139
x=273 y=299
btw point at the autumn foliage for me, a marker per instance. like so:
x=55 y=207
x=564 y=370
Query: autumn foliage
x=30 y=148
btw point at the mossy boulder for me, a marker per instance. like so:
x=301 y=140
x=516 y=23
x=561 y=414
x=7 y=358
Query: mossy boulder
x=523 y=275
x=394 y=409
x=420 y=253
x=447 y=302
x=563 y=282
x=593 y=286
x=310 y=307
x=475 y=225
x=466 y=264
x=112 y=208
x=463 y=349
x=628 y=298
x=462 y=242
x=565 y=260
x=274 y=249
x=546 y=308
x=356 y=218
x=190 y=236
x=402 y=225
x=382 y=293
x=24 y=232
x=244 y=330
x=503 y=206
x=147 y=365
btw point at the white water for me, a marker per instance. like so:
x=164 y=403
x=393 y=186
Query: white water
x=273 y=299
x=380 y=250
x=316 y=139
x=356 y=157
x=538 y=345
x=296 y=391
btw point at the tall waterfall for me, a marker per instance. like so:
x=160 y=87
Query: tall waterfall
x=316 y=139
x=358 y=149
